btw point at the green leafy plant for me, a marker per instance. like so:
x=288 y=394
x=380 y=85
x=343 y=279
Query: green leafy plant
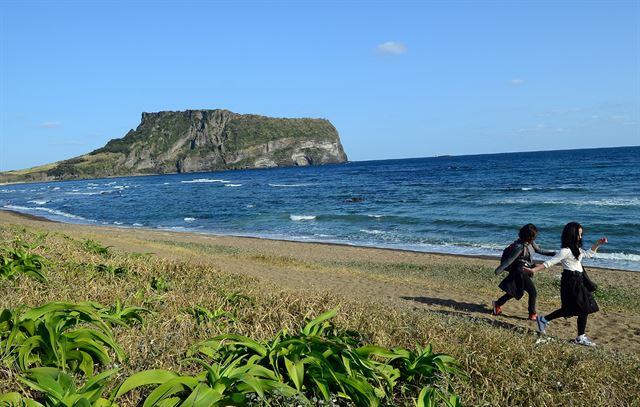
x=59 y=388
x=220 y=384
x=96 y=248
x=204 y=315
x=159 y=284
x=116 y=271
x=65 y=335
x=120 y=314
x=20 y=260
x=321 y=362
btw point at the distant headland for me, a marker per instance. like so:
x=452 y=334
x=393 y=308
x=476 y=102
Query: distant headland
x=199 y=141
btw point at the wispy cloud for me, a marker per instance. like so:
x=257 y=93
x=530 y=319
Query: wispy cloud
x=392 y=48
x=50 y=125
x=516 y=82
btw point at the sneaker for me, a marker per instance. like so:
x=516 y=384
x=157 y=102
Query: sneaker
x=533 y=317
x=542 y=324
x=584 y=341
x=497 y=310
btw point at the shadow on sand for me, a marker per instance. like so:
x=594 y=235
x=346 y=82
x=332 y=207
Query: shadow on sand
x=463 y=309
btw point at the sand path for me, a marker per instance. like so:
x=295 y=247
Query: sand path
x=302 y=267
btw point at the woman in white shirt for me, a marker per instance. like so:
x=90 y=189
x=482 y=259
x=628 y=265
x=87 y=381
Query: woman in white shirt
x=575 y=289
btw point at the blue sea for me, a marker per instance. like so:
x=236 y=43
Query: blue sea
x=472 y=205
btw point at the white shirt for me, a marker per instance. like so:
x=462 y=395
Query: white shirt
x=569 y=262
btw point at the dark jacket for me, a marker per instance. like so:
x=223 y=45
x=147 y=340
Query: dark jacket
x=521 y=256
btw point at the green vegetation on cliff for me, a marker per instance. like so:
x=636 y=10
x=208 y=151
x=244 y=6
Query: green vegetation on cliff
x=199 y=141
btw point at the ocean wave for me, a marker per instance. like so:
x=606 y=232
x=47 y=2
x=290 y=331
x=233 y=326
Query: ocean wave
x=138 y=224
x=44 y=209
x=618 y=256
x=189 y=219
x=205 y=181
x=598 y=202
x=301 y=217
x=39 y=201
x=118 y=223
x=563 y=188
x=373 y=231
x=288 y=185
x=614 y=202
x=8 y=191
x=233 y=185
x=89 y=193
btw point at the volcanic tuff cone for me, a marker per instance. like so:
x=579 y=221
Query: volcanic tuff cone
x=197 y=141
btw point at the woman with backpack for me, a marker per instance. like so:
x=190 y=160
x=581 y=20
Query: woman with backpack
x=575 y=285
x=514 y=259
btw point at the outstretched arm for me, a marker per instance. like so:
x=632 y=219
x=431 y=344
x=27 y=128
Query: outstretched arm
x=541 y=251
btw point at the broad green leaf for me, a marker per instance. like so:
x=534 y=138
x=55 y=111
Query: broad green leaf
x=296 y=372
x=144 y=378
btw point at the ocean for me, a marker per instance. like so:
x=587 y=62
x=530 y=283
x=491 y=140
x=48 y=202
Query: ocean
x=470 y=205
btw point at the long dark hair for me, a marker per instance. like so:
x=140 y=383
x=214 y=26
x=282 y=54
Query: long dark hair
x=571 y=238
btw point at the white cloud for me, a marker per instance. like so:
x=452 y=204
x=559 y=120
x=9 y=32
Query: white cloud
x=50 y=125
x=392 y=48
x=516 y=82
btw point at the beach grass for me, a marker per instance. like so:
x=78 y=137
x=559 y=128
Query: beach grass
x=504 y=364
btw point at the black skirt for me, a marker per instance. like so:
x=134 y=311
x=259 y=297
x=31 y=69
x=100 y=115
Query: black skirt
x=576 y=298
x=513 y=284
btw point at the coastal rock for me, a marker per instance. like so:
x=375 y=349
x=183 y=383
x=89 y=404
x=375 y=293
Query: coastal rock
x=199 y=141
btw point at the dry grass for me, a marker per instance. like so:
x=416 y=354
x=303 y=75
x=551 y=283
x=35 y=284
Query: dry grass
x=505 y=367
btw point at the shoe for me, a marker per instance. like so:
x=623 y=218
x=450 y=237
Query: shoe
x=584 y=341
x=533 y=317
x=542 y=324
x=497 y=310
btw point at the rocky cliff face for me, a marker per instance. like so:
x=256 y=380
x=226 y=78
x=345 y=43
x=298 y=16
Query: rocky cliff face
x=203 y=140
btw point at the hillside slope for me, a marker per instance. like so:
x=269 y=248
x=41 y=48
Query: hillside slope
x=197 y=141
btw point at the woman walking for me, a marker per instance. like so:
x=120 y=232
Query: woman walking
x=575 y=285
x=517 y=282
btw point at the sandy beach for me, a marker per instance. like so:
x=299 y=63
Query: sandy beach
x=311 y=267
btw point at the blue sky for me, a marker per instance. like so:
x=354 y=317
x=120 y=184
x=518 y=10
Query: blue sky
x=397 y=79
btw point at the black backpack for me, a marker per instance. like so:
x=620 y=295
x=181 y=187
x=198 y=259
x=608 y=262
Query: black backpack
x=507 y=252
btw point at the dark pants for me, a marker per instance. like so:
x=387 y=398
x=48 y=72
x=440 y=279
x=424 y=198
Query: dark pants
x=529 y=288
x=582 y=319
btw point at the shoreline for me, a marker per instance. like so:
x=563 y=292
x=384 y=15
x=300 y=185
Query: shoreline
x=188 y=234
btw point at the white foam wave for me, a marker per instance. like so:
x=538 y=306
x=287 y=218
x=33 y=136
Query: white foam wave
x=138 y=224
x=301 y=217
x=89 y=193
x=375 y=216
x=233 y=185
x=526 y=189
x=39 y=201
x=117 y=223
x=600 y=202
x=7 y=191
x=56 y=188
x=250 y=206
x=618 y=256
x=43 y=209
x=205 y=181
x=372 y=231
x=288 y=185
x=189 y=219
